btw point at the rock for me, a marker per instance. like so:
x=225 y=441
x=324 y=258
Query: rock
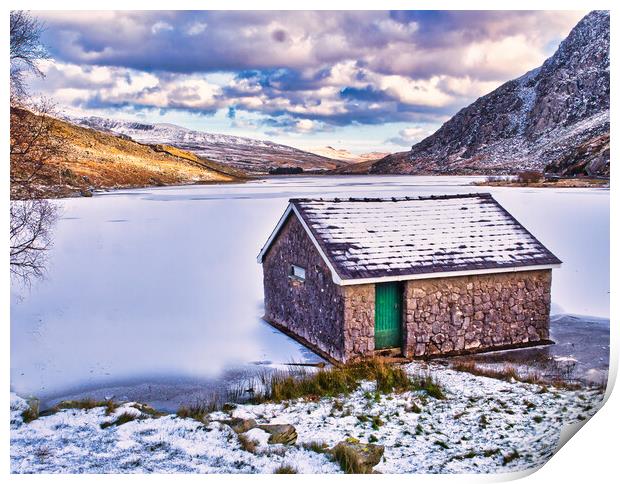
x=361 y=457
x=280 y=433
x=241 y=425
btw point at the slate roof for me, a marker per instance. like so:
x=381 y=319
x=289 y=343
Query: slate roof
x=380 y=238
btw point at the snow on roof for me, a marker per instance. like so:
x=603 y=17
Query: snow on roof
x=407 y=238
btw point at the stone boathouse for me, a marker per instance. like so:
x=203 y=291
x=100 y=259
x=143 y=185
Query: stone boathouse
x=421 y=276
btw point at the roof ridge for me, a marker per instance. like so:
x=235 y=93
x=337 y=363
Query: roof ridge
x=393 y=199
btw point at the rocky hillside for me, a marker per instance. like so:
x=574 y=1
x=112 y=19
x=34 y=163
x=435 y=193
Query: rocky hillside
x=554 y=118
x=90 y=159
x=249 y=155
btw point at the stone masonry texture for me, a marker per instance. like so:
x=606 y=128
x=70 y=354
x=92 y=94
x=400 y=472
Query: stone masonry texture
x=313 y=309
x=474 y=313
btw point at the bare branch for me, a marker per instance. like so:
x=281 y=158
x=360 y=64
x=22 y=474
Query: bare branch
x=26 y=51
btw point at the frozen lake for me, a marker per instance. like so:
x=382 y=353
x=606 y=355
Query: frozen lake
x=155 y=294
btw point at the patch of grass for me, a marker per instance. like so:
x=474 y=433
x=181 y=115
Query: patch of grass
x=146 y=409
x=120 y=420
x=508 y=458
x=372 y=439
x=335 y=381
x=538 y=419
x=413 y=407
x=376 y=422
x=247 y=444
x=490 y=452
x=441 y=444
x=483 y=421
x=228 y=407
x=390 y=378
x=198 y=410
x=32 y=412
x=285 y=469
x=558 y=379
x=429 y=385
x=86 y=404
x=316 y=446
x=529 y=176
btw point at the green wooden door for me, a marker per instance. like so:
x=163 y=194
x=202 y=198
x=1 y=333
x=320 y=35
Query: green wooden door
x=388 y=315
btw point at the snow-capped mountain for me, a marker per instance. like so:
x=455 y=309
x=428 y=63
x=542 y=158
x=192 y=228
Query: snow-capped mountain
x=250 y=155
x=345 y=155
x=553 y=118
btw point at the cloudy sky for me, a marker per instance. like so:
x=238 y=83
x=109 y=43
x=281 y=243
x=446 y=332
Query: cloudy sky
x=364 y=81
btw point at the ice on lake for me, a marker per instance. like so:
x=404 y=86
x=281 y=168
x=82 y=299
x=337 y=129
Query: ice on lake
x=156 y=294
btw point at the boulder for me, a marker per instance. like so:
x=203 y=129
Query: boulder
x=280 y=433
x=241 y=425
x=357 y=457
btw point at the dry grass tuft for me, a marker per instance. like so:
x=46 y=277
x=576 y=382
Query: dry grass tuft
x=120 y=420
x=315 y=446
x=285 y=469
x=32 y=412
x=342 y=380
x=198 y=410
x=247 y=444
x=86 y=404
x=529 y=176
x=557 y=377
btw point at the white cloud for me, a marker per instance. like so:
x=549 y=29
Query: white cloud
x=161 y=27
x=197 y=28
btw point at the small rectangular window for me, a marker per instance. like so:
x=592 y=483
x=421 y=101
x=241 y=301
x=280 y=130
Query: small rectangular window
x=297 y=273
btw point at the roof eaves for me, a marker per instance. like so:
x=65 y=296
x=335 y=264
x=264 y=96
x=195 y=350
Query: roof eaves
x=445 y=274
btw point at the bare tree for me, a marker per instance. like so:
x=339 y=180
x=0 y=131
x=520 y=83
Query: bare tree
x=26 y=51
x=30 y=236
x=33 y=144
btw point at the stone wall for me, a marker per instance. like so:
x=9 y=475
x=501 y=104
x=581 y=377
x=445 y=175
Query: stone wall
x=359 y=320
x=312 y=310
x=474 y=313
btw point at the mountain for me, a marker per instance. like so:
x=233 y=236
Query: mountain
x=246 y=154
x=90 y=159
x=553 y=118
x=345 y=155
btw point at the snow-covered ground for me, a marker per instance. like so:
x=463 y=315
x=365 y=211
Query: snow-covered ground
x=484 y=425
x=155 y=294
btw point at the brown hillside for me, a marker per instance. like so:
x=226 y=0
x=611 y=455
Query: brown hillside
x=95 y=160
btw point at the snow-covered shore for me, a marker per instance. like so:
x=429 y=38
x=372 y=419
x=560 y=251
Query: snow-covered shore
x=484 y=425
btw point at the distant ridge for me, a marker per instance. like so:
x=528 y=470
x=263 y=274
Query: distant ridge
x=249 y=155
x=345 y=155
